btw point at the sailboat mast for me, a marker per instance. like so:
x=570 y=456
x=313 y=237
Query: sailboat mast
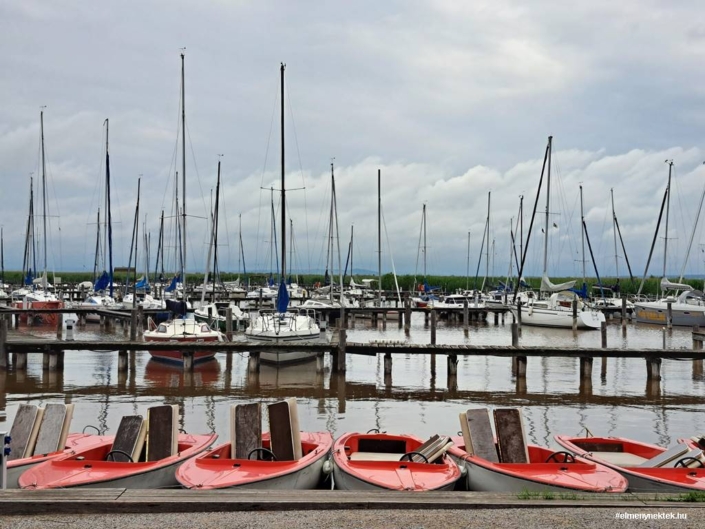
x=291 y=243
x=216 y=213
x=44 y=201
x=108 y=215
x=331 y=227
x=2 y=255
x=548 y=198
x=379 y=237
x=424 y=241
x=668 y=207
x=137 y=228
x=183 y=171
x=283 y=234
x=582 y=232
x=487 y=255
x=467 y=270
x=614 y=233
x=97 y=249
x=352 y=236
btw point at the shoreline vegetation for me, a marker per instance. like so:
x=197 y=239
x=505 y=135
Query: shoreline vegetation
x=447 y=284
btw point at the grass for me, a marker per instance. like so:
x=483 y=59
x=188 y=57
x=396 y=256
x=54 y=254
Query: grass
x=695 y=496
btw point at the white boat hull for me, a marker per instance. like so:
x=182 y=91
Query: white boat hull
x=345 y=481
x=306 y=478
x=541 y=317
x=682 y=314
x=294 y=357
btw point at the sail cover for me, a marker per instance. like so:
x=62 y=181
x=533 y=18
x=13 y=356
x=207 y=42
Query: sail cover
x=667 y=285
x=102 y=282
x=547 y=286
x=282 y=298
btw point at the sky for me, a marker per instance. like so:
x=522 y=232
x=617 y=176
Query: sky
x=450 y=101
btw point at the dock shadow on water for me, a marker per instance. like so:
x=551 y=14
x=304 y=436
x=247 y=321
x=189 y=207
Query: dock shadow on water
x=418 y=396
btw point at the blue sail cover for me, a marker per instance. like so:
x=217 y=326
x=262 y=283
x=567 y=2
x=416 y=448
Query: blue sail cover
x=582 y=292
x=282 y=298
x=270 y=281
x=102 y=283
x=427 y=288
x=172 y=285
x=142 y=283
x=30 y=277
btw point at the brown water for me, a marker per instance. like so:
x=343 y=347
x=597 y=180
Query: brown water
x=413 y=401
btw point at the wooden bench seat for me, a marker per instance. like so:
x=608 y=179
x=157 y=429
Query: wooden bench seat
x=621 y=459
x=374 y=456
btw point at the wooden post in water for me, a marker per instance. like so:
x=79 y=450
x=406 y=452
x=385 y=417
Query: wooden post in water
x=433 y=327
x=663 y=334
x=521 y=366
x=515 y=334
x=140 y=321
x=466 y=315
x=229 y=323
x=342 y=342
x=384 y=320
x=697 y=346
x=603 y=334
x=452 y=365
x=253 y=363
x=387 y=363
x=133 y=325
x=603 y=368
x=669 y=315
x=122 y=361
x=496 y=318
x=653 y=368
x=53 y=361
x=320 y=362
x=697 y=343
x=407 y=315
x=188 y=361
x=3 y=347
x=400 y=319
x=585 y=369
x=519 y=315
x=59 y=325
x=575 y=314
x=21 y=362
x=374 y=320
x=624 y=313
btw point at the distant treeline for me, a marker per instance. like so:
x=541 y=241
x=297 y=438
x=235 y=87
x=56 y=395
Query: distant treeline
x=446 y=284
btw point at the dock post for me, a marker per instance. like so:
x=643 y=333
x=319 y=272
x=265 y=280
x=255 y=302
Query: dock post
x=59 y=325
x=342 y=344
x=697 y=346
x=519 y=315
x=624 y=313
x=122 y=361
x=466 y=315
x=253 y=363
x=521 y=366
x=188 y=361
x=663 y=334
x=433 y=327
x=384 y=320
x=320 y=362
x=452 y=365
x=697 y=341
x=669 y=315
x=515 y=334
x=585 y=369
x=21 y=362
x=133 y=325
x=496 y=318
x=387 y=363
x=229 y=323
x=3 y=346
x=53 y=361
x=653 y=368
x=400 y=320
x=575 y=314
x=697 y=369
x=603 y=368
x=140 y=320
x=425 y=319
x=374 y=320
x=603 y=334
x=45 y=360
x=407 y=316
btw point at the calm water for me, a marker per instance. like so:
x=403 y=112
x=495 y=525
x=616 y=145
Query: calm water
x=413 y=401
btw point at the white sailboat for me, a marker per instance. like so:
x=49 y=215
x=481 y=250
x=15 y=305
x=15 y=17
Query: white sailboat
x=688 y=308
x=281 y=324
x=555 y=307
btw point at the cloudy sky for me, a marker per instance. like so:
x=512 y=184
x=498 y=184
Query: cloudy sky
x=450 y=100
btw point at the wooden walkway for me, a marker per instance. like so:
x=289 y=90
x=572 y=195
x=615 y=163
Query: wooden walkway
x=116 y=501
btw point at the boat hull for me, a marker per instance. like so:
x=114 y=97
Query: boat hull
x=176 y=356
x=207 y=472
x=682 y=315
x=69 y=471
x=540 y=317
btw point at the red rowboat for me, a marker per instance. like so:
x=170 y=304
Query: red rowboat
x=90 y=467
x=215 y=469
x=391 y=462
x=647 y=467
x=545 y=471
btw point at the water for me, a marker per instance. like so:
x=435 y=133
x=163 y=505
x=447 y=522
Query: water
x=413 y=401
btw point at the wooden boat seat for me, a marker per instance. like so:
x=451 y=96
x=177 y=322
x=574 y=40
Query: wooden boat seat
x=23 y=433
x=129 y=438
x=245 y=429
x=511 y=436
x=374 y=456
x=162 y=432
x=477 y=434
x=284 y=433
x=54 y=428
x=673 y=453
x=621 y=459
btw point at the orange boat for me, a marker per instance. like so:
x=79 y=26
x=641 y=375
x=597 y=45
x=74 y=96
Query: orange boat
x=95 y=467
x=546 y=471
x=647 y=467
x=74 y=443
x=216 y=469
x=380 y=461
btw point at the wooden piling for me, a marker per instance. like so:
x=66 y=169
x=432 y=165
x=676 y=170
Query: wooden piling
x=575 y=314
x=603 y=368
x=452 y=365
x=515 y=334
x=320 y=362
x=519 y=314
x=407 y=315
x=3 y=347
x=45 y=360
x=603 y=334
x=133 y=325
x=229 y=323
x=697 y=341
x=521 y=366
x=387 y=363
x=59 y=325
x=585 y=368
x=653 y=368
x=624 y=313
x=496 y=318
x=188 y=361
x=433 y=327
x=21 y=362
x=122 y=361
x=253 y=362
x=342 y=341
x=140 y=321
x=53 y=361
x=669 y=315
x=384 y=320
x=466 y=315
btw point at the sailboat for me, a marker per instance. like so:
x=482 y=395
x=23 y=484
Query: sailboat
x=280 y=324
x=181 y=329
x=688 y=309
x=555 y=308
x=31 y=297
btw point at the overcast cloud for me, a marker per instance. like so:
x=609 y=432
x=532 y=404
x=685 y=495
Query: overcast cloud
x=450 y=100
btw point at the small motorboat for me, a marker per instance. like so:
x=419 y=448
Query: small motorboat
x=294 y=461
x=510 y=464
x=647 y=467
x=181 y=331
x=381 y=461
x=142 y=455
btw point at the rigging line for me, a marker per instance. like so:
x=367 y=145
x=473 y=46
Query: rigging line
x=200 y=187
x=303 y=178
x=172 y=163
x=391 y=255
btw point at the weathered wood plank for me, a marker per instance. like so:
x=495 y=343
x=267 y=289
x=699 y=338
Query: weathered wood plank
x=24 y=429
x=245 y=429
x=129 y=438
x=51 y=429
x=162 y=432
x=511 y=437
x=280 y=431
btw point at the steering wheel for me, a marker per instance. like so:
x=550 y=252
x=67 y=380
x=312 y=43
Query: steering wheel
x=110 y=454
x=373 y=430
x=409 y=454
x=686 y=461
x=567 y=457
x=265 y=451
